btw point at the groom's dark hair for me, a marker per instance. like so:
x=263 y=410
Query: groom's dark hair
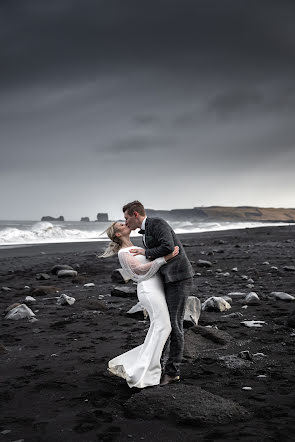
x=134 y=206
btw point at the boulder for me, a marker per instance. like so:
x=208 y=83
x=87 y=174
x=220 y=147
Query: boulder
x=216 y=303
x=282 y=296
x=192 y=310
x=184 y=404
x=20 y=312
x=120 y=276
x=85 y=219
x=252 y=299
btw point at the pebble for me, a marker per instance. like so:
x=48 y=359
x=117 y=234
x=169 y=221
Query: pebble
x=289 y=268
x=245 y=354
x=5 y=289
x=265 y=263
x=202 y=263
x=236 y=294
x=5 y=431
x=235 y=269
x=262 y=376
x=90 y=284
x=65 y=299
x=233 y=315
x=247 y=388
x=67 y=274
x=244 y=277
x=253 y=324
x=55 y=269
x=30 y=299
x=42 y=276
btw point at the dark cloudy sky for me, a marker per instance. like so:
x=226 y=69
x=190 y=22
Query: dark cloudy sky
x=176 y=103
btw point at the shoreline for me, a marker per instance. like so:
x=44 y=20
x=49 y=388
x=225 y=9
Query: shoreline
x=71 y=247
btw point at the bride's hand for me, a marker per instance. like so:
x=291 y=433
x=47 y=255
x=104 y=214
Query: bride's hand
x=137 y=252
x=173 y=254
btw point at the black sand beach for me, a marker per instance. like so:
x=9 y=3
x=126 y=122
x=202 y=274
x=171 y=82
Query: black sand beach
x=54 y=382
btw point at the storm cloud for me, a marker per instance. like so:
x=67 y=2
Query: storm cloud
x=185 y=102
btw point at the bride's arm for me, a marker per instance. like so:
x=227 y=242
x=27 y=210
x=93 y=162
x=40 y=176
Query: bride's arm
x=137 y=271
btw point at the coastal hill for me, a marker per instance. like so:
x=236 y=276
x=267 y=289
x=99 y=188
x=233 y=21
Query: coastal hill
x=223 y=213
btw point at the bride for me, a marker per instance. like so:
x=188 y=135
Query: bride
x=141 y=366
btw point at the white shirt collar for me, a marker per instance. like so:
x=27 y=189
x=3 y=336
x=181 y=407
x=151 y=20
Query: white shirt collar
x=143 y=224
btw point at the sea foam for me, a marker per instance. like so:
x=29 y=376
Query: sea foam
x=21 y=233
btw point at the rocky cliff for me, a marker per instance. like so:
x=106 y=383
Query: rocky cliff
x=223 y=213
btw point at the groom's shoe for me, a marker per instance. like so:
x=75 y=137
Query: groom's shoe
x=166 y=379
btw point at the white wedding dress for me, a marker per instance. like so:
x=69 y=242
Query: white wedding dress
x=141 y=366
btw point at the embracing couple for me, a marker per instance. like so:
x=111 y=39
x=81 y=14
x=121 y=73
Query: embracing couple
x=164 y=281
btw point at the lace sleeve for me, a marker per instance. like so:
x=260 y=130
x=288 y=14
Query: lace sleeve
x=139 y=272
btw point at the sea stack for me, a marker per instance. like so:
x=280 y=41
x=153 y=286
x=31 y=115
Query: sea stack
x=51 y=218
x=102 y=217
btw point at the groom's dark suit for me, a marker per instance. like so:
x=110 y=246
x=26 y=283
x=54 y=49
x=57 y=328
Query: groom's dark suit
x=160 y=240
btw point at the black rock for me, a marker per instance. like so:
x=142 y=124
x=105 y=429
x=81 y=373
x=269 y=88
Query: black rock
x=185 y=404
x=42 y=276
x=202 y=263
x=58 y=267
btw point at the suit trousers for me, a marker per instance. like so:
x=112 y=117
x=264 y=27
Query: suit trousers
x=176 y=296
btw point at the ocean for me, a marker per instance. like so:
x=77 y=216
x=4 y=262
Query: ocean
x=16 y=233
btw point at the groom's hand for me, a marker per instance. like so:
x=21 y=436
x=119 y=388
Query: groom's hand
x=137 y=252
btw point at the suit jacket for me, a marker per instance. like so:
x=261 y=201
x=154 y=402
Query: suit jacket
x=160 y=240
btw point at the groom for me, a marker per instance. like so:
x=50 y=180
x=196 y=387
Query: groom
x=159 y=239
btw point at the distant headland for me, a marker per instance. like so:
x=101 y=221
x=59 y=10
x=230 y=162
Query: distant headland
x=224 y=213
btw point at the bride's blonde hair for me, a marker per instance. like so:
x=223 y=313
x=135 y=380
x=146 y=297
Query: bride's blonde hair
x=115 y=245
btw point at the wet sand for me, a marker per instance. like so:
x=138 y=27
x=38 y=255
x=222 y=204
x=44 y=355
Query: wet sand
x=54 y=383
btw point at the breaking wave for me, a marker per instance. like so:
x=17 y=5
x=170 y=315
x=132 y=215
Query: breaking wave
x=26 y=232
